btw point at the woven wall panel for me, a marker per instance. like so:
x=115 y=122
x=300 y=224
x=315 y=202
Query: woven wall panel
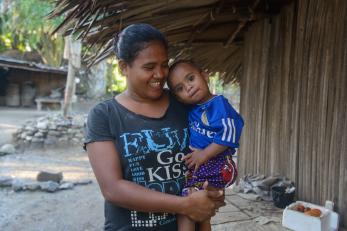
x=294 y=100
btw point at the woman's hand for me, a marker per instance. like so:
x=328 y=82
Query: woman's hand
x=203 y=204
x=219 y=198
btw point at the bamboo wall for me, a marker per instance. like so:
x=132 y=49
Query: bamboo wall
x=294 y=100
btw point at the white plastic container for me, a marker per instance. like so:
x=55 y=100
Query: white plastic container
x=298 y=221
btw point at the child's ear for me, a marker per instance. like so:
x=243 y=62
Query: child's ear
x=206 y=76
x=123 y=67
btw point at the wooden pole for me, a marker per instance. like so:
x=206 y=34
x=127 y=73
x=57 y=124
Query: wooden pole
x=73 y=53
x=4 y=6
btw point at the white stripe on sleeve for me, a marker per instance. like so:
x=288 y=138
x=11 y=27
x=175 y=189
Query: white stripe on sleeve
x=234 y=130
x=224 y=130
x=230 y=131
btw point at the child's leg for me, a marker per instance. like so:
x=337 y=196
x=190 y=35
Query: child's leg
x=185 y=224
x=205 y=225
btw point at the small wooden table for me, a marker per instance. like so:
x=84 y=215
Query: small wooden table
x=47 y=100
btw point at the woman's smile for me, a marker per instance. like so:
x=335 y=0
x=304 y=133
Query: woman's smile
x=157 y=84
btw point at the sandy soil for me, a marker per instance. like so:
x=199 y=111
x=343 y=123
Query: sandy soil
x=80 y=208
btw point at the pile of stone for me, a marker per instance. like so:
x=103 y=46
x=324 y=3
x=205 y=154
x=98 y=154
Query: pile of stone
x=7 y=149
x=52 y=130
x=261 y=185
x=46 y=182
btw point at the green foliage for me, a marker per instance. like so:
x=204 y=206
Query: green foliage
x=116 y=83
x=231 y=91
x=25 y=27
x=216 y=84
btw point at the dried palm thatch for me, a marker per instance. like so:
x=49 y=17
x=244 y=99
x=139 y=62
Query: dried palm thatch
x=209 y=31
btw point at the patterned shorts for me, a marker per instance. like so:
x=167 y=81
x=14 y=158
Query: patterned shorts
x=220 y=172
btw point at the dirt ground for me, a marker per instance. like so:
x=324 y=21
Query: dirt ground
x=12 y=118
x=80 y=208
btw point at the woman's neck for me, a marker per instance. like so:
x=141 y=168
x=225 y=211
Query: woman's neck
x=155 y=108
x=138 y=99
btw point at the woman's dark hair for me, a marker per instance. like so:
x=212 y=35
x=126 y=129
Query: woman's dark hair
x=134 y=38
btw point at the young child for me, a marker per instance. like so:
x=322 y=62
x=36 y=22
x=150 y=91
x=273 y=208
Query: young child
x=215 y=128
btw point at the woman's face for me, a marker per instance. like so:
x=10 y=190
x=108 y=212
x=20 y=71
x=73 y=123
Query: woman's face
x=146 y=75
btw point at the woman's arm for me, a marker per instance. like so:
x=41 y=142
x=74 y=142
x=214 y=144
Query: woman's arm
x=106 y=165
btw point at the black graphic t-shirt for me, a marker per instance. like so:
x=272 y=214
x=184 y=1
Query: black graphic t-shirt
x=151 y=151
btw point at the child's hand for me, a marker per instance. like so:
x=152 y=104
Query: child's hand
x=195 y=159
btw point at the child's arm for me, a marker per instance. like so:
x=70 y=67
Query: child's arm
x=201 y=156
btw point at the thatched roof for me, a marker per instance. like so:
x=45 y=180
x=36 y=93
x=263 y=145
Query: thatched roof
x=209 y=31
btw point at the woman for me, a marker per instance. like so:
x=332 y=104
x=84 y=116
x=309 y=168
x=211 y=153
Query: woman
x=136 y=141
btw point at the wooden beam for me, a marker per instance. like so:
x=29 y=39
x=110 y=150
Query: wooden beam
x=234 y=34
x=243 y=23
x=210 y=19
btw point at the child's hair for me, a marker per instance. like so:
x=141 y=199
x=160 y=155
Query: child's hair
x=134 y=38
x=176 y=63
x=187 y=61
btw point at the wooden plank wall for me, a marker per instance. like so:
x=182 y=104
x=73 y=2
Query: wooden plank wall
x=294 y=100
x=43 y=81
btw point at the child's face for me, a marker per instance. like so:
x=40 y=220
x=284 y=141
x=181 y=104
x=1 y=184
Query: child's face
x=189 y=84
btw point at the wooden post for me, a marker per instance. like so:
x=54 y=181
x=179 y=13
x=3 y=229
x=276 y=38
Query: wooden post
x=4 y=6
x=73 y=53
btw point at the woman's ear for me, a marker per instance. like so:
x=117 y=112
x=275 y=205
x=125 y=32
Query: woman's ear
x=123 y=67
